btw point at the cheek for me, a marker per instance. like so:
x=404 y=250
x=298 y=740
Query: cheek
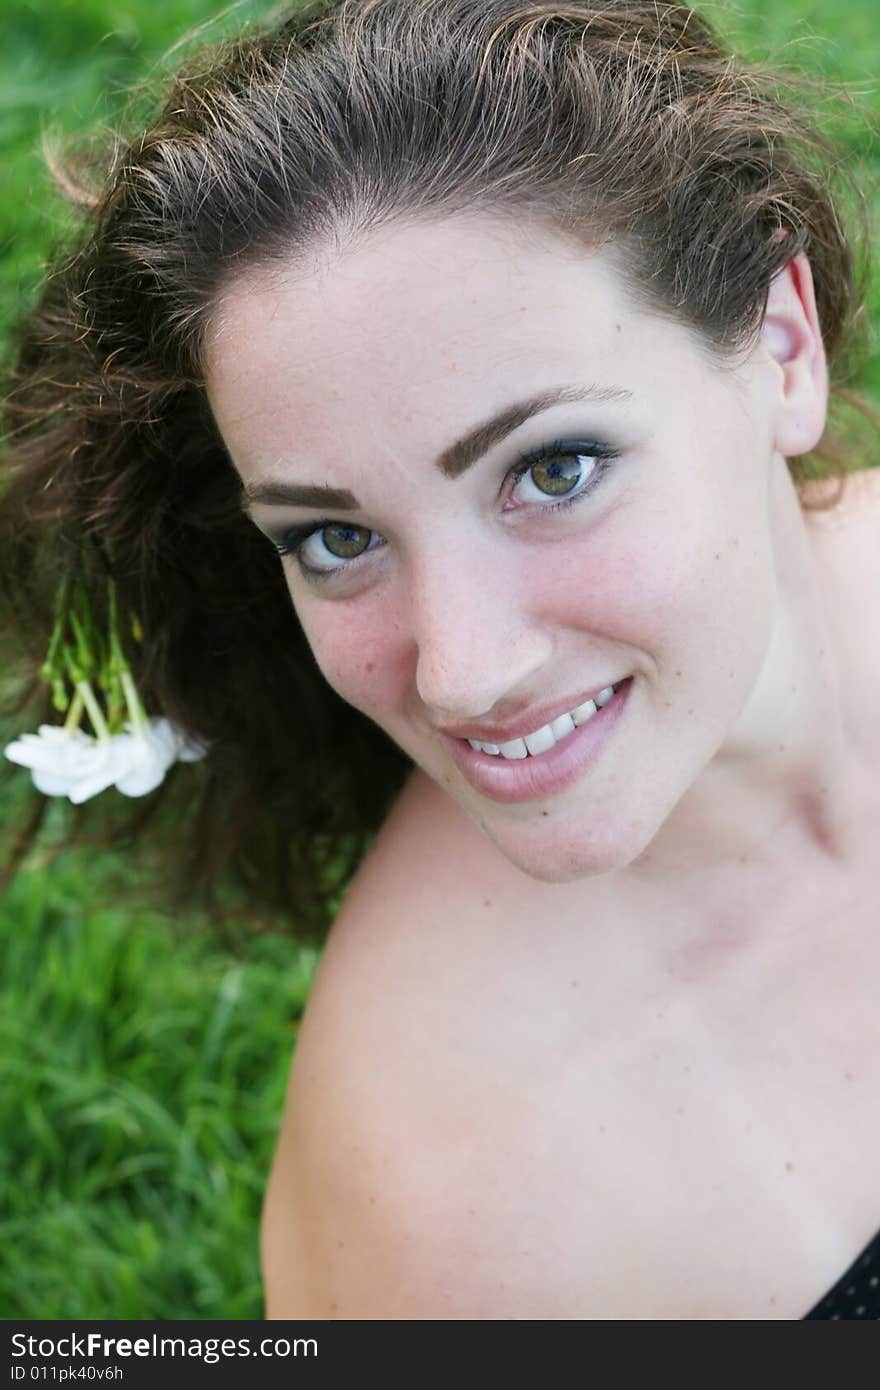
x=359 y=650
x=626 y=580
x=682 y=585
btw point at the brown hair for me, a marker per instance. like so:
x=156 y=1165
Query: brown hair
x=629 y=122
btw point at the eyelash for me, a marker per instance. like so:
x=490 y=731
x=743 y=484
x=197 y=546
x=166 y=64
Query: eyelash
x=296 y=536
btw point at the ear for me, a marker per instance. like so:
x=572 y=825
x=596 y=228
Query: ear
x=792 y=337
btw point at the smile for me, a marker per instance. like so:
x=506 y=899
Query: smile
x=560 y=753
x=543 y=739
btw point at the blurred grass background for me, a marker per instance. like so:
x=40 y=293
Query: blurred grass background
x=142 y=1064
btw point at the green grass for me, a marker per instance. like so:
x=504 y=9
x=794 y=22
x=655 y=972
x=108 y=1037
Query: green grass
x=65 y=67
x=143 y=1074
x=142 y=1066
x=842 y=46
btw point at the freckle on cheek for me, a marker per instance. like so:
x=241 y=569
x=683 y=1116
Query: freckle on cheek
x=370 y=667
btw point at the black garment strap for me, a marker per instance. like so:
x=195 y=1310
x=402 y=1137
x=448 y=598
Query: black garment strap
x=857 y=1293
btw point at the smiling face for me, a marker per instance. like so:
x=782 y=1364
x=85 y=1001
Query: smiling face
x=450 y=590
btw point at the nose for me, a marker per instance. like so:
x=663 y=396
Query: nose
x=478 y=646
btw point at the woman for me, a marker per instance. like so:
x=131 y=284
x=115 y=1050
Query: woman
x=510 y=329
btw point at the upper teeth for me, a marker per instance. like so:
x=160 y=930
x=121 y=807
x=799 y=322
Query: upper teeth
x=548 y=734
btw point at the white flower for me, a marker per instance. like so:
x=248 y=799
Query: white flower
x=151 y=752
x=69 y=762
x=189 y=750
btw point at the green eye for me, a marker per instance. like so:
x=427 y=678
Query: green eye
x=567 y=470
x=557 y=474
x=345 y=542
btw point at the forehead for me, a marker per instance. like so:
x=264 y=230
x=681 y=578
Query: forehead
x=433 y=320
x=459 y=279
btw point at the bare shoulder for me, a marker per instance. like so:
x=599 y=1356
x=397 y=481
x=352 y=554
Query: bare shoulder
x=428 y=877
x=365 y=1212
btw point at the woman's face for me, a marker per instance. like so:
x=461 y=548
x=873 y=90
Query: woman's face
x=450 y=596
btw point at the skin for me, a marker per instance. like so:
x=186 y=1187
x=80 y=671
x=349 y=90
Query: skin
x=585 y=1072
x=690 y=567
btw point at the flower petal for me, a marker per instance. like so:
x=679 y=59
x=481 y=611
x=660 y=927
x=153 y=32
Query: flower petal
x=191 y=750
x=50 y=783
x=90 y=785
x=142 y=777
x=109 y=759
x=149 y=758
x=69 y=762
x=141 y=780
x=58 y=757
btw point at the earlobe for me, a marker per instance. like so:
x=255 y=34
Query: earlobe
x=792 y=335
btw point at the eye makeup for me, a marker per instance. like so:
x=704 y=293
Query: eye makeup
x=293 y=539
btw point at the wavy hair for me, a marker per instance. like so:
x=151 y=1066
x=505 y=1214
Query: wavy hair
x=628 y=121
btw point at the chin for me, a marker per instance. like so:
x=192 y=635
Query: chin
x=546 y=863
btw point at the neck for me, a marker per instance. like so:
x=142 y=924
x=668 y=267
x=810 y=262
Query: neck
x=782 y=787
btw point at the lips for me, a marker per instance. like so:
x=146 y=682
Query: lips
x=542 y=739
x=535 y=777
x=533 y=722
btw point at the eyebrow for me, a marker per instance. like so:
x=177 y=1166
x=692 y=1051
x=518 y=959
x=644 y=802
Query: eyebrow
x=451 y=463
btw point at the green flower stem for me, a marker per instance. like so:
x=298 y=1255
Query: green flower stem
x=84 y=689
x=111 y=684
x=60 y=697
x=116 y=676
x=50 y=670
x=139 y=721
x=86 y=642
x=113 y=699
x=77 y=705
